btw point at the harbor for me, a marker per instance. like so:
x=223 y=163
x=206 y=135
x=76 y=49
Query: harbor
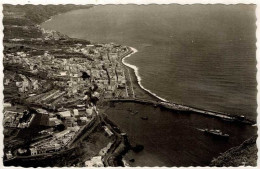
x=187 y=145
x=124 y=99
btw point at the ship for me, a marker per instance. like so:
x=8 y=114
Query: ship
x=215 y=133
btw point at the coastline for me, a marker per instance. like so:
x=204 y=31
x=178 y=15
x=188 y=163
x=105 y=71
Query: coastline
x=236 y=156
x=135 y=72
x=136 y=80
x=137 y=76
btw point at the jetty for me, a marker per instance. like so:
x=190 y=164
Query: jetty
x=187 y=110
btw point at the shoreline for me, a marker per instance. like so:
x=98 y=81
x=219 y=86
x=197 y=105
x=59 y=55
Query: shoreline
x=138 y=77
x=215 y=114
x=134 y=72
x=135 y=69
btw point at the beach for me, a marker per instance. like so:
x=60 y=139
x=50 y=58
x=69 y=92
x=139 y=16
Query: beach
x=139 y=90
x=198 y=69
x=155 y=133
x=163 y=122
x=164 y=130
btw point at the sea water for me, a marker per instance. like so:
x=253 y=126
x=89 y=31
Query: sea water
x=201 y=55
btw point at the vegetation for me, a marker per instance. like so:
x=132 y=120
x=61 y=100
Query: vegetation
x=245 y=154
x=40 y=13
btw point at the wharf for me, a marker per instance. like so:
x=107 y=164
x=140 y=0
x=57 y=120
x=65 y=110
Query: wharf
x=186 y=109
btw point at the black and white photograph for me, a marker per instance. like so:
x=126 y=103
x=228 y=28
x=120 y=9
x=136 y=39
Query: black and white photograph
x=112 y=85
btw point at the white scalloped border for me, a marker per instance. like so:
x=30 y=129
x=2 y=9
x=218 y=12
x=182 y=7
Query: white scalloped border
x=138 y=2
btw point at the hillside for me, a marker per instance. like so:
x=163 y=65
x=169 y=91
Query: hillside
x=37 y=14
x=245 y=154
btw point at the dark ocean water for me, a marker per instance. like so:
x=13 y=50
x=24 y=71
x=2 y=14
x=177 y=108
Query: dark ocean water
x=173 y=139
x=200 y=55
x=203 y=56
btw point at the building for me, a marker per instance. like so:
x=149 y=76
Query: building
x=42 y=111
x=9 y=155
x=53 y=121
x=108 y=131
x=83 y=120
x=57 y=146
x=89 y=112
x=75 y=112
x=70 y=122
x=33 y=151
x=64 y=73
x=65 y=114
x=7 y=105
x=95 y=162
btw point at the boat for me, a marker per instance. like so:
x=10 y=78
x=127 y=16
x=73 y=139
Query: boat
x=216 y=133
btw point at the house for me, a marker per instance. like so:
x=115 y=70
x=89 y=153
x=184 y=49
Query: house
x=42 y=111
x=9 y=155
x=57 y=146
x=75 y=128
x=89 y=111
x=35 y=85
x=75 y=112
x=7 y=105
x=7 y=81
x=64 y=73
x=95 y=162
x=96 y=94
x=65 y=114
x=70 y=122
x=83 y=120
x=53 y=121
x=33 y=151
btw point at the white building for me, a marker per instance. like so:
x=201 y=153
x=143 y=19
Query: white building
x=33 y=151
x=95 y=162
x=65 y=114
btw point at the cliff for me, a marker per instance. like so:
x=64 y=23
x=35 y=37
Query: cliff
x=244 y=154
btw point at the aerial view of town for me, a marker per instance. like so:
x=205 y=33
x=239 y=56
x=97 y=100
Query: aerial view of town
x=62 y=96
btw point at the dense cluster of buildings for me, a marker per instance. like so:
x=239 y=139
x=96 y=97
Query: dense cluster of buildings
x=57 y=81
x=55 y=143
x=64 y=84
x=16 y=119
x=73 y=72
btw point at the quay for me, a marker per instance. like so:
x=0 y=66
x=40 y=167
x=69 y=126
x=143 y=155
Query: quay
x=187 y=109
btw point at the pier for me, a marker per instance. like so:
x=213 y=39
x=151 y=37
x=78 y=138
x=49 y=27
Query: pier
x=187 y=109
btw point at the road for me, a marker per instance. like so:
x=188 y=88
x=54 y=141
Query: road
x=131 y=83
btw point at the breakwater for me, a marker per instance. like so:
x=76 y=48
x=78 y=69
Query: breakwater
x=187 y=109
x=119 y=147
